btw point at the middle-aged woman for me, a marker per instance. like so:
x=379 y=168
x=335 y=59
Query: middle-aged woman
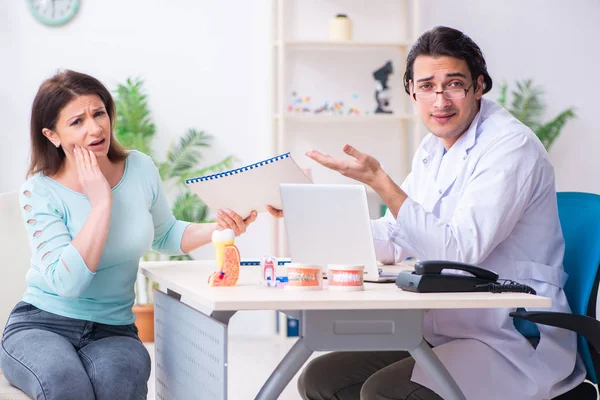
x=91 y=210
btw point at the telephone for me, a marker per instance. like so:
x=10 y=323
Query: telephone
x=429 y=277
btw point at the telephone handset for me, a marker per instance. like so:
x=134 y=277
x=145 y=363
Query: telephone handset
x=439 y=276
x=437 y=267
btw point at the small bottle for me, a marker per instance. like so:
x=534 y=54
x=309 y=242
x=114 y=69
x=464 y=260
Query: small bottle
x=340 y=28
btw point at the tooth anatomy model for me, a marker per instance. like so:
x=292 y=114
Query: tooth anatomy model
x=228 y=259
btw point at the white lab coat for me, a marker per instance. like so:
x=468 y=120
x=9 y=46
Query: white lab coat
x=490 y=200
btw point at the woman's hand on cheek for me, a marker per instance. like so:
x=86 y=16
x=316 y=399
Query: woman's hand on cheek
x=92 y=180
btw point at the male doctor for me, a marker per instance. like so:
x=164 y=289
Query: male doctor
x=481 y=191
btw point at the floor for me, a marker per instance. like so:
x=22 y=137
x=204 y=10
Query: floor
x=246 y=376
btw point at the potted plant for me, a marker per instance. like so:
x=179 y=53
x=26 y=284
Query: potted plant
x=528 y=107
x=134 y=129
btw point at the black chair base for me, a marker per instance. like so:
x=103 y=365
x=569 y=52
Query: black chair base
x=585 y=391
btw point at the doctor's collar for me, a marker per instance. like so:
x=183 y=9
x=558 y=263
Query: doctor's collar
x=467 y=140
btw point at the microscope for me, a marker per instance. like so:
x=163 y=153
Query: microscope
x=382 y=91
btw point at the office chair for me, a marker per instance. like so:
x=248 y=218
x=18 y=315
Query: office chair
x=579 y=215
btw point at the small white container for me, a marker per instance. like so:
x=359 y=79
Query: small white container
x=304 y=277
x=345 y=277
x=340 y=28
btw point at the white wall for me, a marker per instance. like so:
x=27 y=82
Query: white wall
x=555 y=42
x=206 y=66
x=203 y=65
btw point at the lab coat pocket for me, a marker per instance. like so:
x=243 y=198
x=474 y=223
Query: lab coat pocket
x=547 y=281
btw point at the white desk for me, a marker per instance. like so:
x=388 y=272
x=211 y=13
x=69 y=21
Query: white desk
x=191 y=326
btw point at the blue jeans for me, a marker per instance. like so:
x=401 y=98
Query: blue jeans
x=48 y=356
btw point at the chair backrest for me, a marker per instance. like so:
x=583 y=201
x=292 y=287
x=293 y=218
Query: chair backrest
x=579 y=215
x=16 y=255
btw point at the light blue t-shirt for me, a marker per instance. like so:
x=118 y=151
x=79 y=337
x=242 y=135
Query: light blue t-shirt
x=54 y=215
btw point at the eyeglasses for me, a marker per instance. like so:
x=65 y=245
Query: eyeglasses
x=450 y=94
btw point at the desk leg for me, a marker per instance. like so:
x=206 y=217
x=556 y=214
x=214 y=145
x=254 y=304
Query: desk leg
x=285 y=371
x=435 y=370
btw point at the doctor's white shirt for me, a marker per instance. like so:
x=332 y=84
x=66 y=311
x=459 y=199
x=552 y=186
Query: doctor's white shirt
x=490 y=200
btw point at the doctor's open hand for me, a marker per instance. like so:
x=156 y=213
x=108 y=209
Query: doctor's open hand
x=275 y=212
x=362 y=167
x=366 y=169
x=230 y=219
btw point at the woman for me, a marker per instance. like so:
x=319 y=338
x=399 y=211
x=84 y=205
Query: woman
x=91 y=210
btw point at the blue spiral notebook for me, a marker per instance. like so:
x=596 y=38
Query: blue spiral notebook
x=248 y=188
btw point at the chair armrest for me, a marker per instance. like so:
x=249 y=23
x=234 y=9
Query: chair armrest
x=585 y=326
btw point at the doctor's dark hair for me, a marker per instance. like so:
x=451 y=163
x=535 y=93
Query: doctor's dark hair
x=53 y=95
x=444 y=41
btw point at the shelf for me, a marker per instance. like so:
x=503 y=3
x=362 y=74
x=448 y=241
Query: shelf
x=312 y=63
x=342 y=45
x=343 y=118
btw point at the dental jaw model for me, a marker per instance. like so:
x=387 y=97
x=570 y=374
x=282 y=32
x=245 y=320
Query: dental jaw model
x=228 y=259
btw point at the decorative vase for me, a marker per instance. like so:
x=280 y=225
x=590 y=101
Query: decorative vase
x=340 y=28
x=144 y=321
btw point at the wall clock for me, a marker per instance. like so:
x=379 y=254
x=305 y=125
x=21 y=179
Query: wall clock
x=53 y=12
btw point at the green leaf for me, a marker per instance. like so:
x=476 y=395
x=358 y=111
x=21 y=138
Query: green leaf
x=188 y=207
x=549 y=131
x=183 y=157
x=502 y=98
x=151 y=255
x=527 y=105
x=134 y=128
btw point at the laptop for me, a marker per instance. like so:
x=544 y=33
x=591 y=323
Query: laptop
x=330 y=224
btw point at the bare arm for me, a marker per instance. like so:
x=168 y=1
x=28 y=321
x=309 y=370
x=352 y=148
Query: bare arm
x=390 y=193
x=91 y=239
x=67 y=264
x=196 y=235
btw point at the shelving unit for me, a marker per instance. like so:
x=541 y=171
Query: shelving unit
x=393 y=131
x=316 y=118
x=296 y=53
x=341 y=45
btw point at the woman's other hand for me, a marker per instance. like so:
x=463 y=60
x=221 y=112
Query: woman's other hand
x=230 y=219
